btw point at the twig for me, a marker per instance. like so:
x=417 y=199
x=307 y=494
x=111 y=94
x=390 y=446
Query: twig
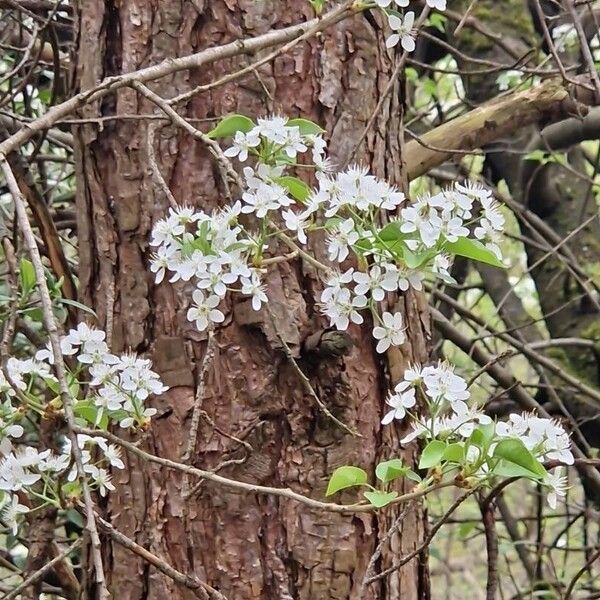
x=197 y=411
x=256 y=488
x=160 y=180
x=491 y=544
x=190 y=581
x=579 y=573
x=379 y=549
x=41 y=572
x=170 y=66
x=388 y=89
x=225 y=168
x=426 y=542
x=59 y=366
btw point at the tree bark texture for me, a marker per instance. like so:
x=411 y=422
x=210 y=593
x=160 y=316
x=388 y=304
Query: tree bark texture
x=248 y=547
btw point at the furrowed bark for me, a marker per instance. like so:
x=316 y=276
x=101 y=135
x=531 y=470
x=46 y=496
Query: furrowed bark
x=245 y=546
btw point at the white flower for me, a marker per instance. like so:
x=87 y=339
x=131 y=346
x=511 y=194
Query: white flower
x=242 y=144
x=11 y=511
x=94 y=353
x=491 y=210
x=413 y=376
x=391 y=333
x=457 y=202
x=293 y=143
x=516 y=426
x=441 y=382
x=374 y=282
x=386 y=3
x=399 y=404
x=43 y=355
x=557 y=485
x=336 y=282
x=404 y=31
x=467 y=418
x=266 y=197
x=295 y=222
x=441 y=267
x=559 y=448
x=101 y=478
x=113 y=456
x=13 y=475
x=341 y=309
x=423 y=217
x=454 y=229
x=340 y=240
x=410 y=278
x=273 y=128
x=204 y=310
x=80 y=336
x=439 y=4
x=252 y=287
x=474 y=190
x=161 y=261
x=215 y=280
x=55 y=463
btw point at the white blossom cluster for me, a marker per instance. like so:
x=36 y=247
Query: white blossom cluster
x=215 y=251
x=279 y=138
x=219 y=255
x=450 y=417
x=38 y=474
x=119 y=385
x=420 y=235
x=403 y=24
x=117 y=388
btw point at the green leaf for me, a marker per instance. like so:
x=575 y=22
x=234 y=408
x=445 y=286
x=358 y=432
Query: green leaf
x=410 y=474
x=454 y=453
x=414 y=261
x=474 y=250
x=509 y=469
x=483 y=435
x=230 y=125
x=305 y=126
x=89 y=411
x=27 y=276
x=318 y=5
x=390 y=469
x=78 y=305
x=380 y=499
x=296 y=187
x=345 y=477
x=515 y=452
x=392 y=233
x=74 y=517
x=432 y=454
x=436 y=20
x=465 y=529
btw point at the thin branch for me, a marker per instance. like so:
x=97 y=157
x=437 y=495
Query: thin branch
x=59 y=366
x=256 y=488
x=405 y=559
x=189 y=581
x=174 y=65
x=45 y=569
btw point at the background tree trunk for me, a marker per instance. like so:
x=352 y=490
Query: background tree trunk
x=246 y=546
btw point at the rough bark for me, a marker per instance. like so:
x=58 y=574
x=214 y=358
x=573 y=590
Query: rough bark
x=247 y=547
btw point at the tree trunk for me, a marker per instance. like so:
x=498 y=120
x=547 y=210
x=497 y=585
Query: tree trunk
x=247 y=546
